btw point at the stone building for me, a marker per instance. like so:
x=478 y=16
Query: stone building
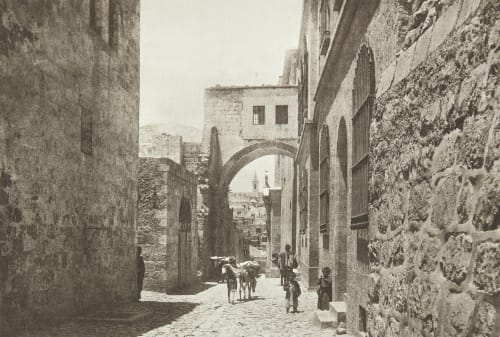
x=69 y=110
x=398 y=163
x=242 y=123
x=167 y=226
x=248 y=209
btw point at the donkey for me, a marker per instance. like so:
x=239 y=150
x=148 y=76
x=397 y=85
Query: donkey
x=232 y=283
x=246 y=283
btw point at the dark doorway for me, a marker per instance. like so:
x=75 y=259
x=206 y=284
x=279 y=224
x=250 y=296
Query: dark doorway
x=184 y=247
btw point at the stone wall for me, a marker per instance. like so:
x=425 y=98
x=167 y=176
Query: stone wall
x=191 y=156
x=69 y=105
x=435 y=209
x=284 y=172
x=163 y=188
x=433 y=143
x=274 y=236
x=163 y=146
x=230 y=110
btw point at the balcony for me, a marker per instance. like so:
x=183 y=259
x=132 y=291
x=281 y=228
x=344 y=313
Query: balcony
x=325 y=42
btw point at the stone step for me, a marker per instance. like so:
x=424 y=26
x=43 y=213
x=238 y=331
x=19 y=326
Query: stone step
x=338 y=309
x=324 y=319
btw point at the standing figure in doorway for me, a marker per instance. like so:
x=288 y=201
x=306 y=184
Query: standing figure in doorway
x=286 y=263
x=141 y=269
x=325 y=289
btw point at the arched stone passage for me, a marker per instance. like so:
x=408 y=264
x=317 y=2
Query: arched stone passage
x=218 y=215
x=248 y=154
x=341 y=223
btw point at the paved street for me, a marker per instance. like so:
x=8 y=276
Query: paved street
x=206 y=313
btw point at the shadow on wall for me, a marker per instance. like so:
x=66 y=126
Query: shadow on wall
x=159 y=314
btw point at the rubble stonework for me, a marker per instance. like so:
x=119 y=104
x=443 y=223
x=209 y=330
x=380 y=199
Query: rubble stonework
x=169 y=242
x=451 y=223
x=69 y=102
x=429 y=73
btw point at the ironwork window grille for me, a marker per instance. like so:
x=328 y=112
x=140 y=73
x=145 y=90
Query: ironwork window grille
x=303 y=201
x=324 y=169
x=281 y=114
x=259 y=115
x=324 y=16
x=363 y=98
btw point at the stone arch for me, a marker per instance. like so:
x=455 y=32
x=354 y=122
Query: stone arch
x=249 y=154
x=341 y=220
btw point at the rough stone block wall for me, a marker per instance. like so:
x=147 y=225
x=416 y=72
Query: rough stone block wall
x=162 y=186
x=69 y=105
x=191 y=156
x=434 y=187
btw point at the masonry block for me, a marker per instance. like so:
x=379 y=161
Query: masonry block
x=444 y=25
x=386 y=78
x=422 y=48
x=403 y=65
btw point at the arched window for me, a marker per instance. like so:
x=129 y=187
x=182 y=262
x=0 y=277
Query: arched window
x=324 y=26
x=185 y=215
x=363 y=98
x=303 y=86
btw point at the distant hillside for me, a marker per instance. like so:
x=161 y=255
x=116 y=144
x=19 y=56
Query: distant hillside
x=188 y=133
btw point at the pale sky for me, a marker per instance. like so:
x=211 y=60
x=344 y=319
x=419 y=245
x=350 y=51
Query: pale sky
x=188 y=45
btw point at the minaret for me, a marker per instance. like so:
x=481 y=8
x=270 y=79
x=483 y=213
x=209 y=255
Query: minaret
x=255 y=183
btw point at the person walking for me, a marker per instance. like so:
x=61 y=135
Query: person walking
x=286 y=263
x=141 y=269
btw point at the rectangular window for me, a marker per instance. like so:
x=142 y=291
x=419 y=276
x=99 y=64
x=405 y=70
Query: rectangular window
x=259 y=112
x=86 y=133
x=114 y=19
x=281 y=114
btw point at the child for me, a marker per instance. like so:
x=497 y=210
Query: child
x=325 y=289
x=293 y=292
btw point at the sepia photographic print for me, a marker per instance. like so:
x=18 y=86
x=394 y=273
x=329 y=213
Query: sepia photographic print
x=249 y=168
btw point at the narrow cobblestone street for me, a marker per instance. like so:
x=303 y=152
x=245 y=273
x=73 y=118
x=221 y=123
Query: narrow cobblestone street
x=206 y=313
